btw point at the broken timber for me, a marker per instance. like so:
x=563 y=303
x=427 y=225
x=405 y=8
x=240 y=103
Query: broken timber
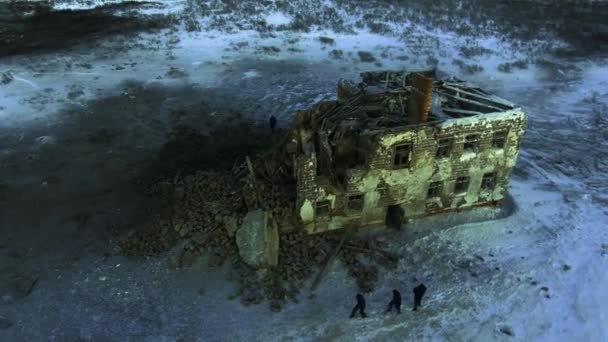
x=329 y=261
x=253 y=181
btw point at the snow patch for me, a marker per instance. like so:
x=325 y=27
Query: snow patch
x=45 y=140
x=250 y=74
x=278 y=18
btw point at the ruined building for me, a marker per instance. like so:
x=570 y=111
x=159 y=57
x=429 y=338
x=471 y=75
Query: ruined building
x=394 y=147
x=399 y=146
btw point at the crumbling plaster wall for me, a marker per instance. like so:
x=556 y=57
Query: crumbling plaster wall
x=382 y=185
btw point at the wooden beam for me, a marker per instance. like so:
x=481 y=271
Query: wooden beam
x=253 y=181
x=385 y=254
x=462 y=111
x=331 y=258
x=386 y=84
x=482 y=97
x=402 y=107
x=494 y=108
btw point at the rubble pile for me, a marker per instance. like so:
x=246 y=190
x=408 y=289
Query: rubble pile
x=302 y=256
x=203 y=203
x=276 y=199
x=151 y=238
x=208 y=208
x=214 y=214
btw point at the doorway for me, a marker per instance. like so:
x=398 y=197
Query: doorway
x=394 y=216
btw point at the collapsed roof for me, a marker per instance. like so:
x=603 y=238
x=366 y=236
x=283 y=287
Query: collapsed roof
x=392 y=98
x=340 y=132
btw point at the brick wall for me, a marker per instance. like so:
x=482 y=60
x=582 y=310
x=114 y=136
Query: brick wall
x=409 y=185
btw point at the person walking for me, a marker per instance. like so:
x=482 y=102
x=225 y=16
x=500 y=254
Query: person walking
x=396 y=302
x=418 y=294
x=273 y=123
x=359 y=307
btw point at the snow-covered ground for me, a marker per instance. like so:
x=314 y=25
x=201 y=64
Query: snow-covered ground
x=539 y=274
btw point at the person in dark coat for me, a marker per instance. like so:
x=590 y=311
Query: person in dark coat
x=273 y=123
x=359 y=307
x=418 y=293
x=396 y=302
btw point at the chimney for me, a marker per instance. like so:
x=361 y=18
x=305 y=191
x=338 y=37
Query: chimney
x=419 y=102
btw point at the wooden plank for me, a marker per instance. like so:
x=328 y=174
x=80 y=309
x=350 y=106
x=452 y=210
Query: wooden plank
x=494 y=108
x=462 y=111
x=497 y=101
x=386 y=84
x=329 y=261
x=385 y=254
x=253 y=180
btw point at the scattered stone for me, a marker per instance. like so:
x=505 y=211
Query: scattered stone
x=566 y=267
x=469 y=52
x=199 y=237
x=74 y=94
x=432 y=61
x=269 y=49
x=7 y=77
x=544 y=288
x=534 y=283
x=186 y=257
x=366 y=57
x=508 y=67
x=336 y=54
x=327 y=40
x=174 y=72
x=467 y=68
x=16 y=284
x=5 y=323
x=506 y=329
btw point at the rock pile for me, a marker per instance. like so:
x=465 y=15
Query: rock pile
x=207 y=211
x=151 y=238
x=203 y=202
x=275 y=198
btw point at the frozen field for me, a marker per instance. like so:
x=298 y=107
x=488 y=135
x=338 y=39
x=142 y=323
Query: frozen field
x=77 y=122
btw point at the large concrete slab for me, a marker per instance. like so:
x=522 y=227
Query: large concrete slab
x=258 y=240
